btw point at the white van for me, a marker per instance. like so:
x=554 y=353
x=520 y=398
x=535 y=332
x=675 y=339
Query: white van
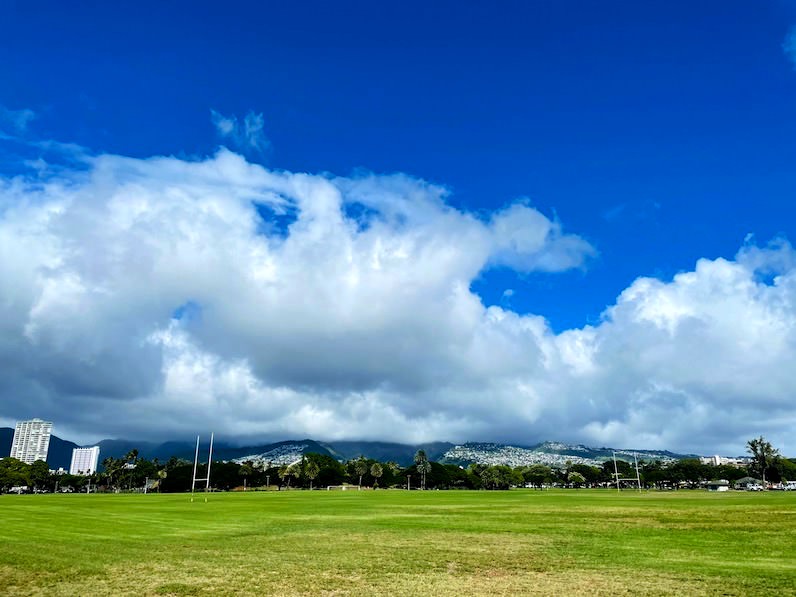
x=790 y=485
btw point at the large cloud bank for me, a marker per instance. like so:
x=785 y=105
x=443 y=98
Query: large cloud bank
x=165 y=297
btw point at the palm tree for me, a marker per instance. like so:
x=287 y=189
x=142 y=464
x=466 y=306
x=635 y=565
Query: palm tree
x=763 y=455
x=360 y=468
x=311 y=470
x=294 y=470
x=244 y=471
x=284 y=473
x=162 y=474
x=376 y=471
x=423 y=466
x=112 y=467
x=131 y=455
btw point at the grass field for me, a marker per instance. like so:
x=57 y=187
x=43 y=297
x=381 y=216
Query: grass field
x=394 y=542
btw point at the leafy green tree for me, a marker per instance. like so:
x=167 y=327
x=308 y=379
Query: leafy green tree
x=654 y=473
x=625 y=470
x=787 y=469
x=178 y=477
x=331 y=471
x=591 y=474
x=458 y=478
x=728 y=472
x=764 y=455
x=500 y=477
x=13 y=473
x=40 y=474
x=223 y=475
x=490 y=478
x=144 y=471
x=691 y=471
x=437 y=475
x=576 y=478
x=537 y=474
x=174 y=462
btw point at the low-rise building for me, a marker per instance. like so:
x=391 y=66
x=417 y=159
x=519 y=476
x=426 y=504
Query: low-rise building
x=718 y=485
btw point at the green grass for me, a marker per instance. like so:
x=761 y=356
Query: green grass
x=394 y=542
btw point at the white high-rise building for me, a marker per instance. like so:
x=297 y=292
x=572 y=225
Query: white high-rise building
x=84 y=461
x=31 y=440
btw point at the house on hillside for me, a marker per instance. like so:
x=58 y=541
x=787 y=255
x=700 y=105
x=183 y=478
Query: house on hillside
x=718 y=485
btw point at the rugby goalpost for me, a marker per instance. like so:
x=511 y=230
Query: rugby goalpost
x=196 y=464
x=616 y=473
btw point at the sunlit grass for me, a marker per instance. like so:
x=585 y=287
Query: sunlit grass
x=394 y=542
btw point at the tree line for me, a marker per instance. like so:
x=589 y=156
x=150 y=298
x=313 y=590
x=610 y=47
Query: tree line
x=133 y=473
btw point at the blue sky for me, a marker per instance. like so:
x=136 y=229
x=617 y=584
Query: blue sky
x=659 y=133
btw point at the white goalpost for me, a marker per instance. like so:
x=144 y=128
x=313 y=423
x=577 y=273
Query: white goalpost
x=638 y=476
x=195 y=466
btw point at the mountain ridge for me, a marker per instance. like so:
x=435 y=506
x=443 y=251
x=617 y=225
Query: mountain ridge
x=547 y=452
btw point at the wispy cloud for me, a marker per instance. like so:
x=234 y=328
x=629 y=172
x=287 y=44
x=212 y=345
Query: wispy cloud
x=15 y=121
x=636 y=210
x=789 y=46
x=245 y=135
x=615 y=212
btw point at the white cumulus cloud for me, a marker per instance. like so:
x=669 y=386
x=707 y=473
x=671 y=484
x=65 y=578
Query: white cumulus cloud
x=162 y=296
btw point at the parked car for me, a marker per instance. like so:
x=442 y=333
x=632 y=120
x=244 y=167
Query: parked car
x=754 y=487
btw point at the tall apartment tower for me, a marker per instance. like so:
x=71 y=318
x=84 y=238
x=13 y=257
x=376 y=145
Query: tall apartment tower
x=84 y=461
x=31 y=440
